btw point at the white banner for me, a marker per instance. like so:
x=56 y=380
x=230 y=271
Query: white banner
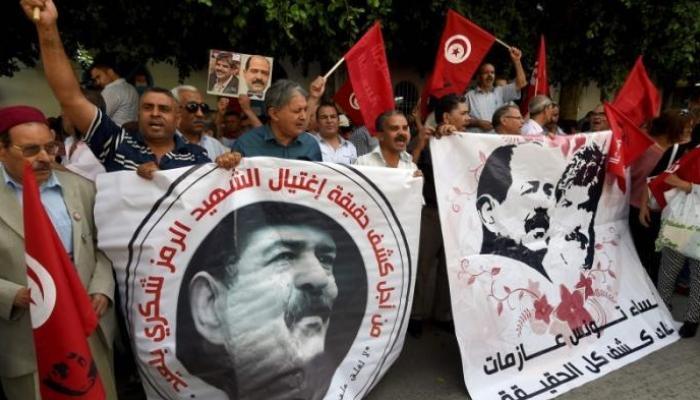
x=547 y=290
x=281 y=279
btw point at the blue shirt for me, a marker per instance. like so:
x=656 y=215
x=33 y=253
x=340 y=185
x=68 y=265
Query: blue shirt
x=261 y=141
x=52 y=198
x=118 y=149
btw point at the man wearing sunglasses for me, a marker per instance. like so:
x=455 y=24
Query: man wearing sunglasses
x=25 y=137
x=155 y=146
x=193 y=120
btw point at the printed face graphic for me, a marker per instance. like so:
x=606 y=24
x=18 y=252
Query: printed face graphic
x=524 y=215
x=257 y=74
x=276 y=312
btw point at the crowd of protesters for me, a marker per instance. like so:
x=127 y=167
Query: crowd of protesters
x=112 y=126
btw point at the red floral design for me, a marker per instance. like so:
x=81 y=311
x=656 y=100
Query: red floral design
x=542 y=309
x=571 y=308
x=587 y=285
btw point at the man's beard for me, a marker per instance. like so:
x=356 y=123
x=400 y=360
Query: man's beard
x=307 y=318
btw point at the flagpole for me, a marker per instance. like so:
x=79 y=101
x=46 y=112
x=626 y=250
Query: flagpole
x=329 y=73
x=504 y=44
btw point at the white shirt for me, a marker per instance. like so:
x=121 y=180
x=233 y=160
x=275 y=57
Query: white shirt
x=531 y=127
x=213 y=147
x=483 y=104
x=122 y=101
x=344 y=154
x=375 y=158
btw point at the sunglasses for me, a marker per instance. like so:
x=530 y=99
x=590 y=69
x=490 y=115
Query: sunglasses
x=31 y=150
x=192 y=107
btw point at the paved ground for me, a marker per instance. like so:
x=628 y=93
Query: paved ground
x=430 y=368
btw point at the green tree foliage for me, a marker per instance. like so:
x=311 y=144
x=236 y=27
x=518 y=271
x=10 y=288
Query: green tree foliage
x=587 y=40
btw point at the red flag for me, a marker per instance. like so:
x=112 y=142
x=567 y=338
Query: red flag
x=369 y=74
x=538 y=80
x=628 y=143
x=462 y=47
x=686 y=168
x=345 y=97
x=61 y=313
x=638 y=99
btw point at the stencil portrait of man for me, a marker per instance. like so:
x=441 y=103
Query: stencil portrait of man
x=572 y=234
x=515 y=198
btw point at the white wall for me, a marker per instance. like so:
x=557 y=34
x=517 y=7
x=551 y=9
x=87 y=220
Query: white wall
x=29 y=86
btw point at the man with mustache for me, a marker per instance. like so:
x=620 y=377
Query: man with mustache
x=193 y=120
x=515 y=194
x=260 y=297
x=256 y=74
x=224 y=78
x=285 y=136
x=25 y=137
x=485 y=98
x=154 y=146
x=393 y=134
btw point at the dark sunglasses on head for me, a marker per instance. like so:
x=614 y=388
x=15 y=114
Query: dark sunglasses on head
x=31 y=150
x=192 y=107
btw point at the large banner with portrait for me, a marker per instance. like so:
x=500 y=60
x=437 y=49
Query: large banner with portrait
x=547 y=290
x=278 y=280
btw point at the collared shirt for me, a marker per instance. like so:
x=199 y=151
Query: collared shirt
x=261 y=141
x=375 y=158
x=363 y=141
x=482 y=104
x=213 y=147
x=51 y=194
x=122 y=101
x=344 y=154
x=120 y=150
x=531 y=127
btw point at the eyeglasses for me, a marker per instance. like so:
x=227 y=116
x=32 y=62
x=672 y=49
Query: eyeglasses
x=31 y=150
x=192 y=107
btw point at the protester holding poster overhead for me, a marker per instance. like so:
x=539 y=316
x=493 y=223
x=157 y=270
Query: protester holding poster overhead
x=153 y=147
x=68 y=199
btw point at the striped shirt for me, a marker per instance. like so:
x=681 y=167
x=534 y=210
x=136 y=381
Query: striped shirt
x=118 y=149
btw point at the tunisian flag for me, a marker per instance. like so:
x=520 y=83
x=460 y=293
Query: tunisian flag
x=628 y=143
x=638 y=99
x=538 y=79
x=346 y=99
x=61 y=313
x=686 y=168
x=369 y=74
x=462 y=47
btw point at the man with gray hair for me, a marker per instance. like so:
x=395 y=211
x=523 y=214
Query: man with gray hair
x=541 y=109
x=507 y=120
x=285 y=136
x=193 y=120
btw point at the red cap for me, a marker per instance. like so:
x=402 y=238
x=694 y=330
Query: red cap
x=16 y=115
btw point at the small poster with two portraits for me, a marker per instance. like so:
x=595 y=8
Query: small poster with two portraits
x=277 y=280
x=231 y=74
